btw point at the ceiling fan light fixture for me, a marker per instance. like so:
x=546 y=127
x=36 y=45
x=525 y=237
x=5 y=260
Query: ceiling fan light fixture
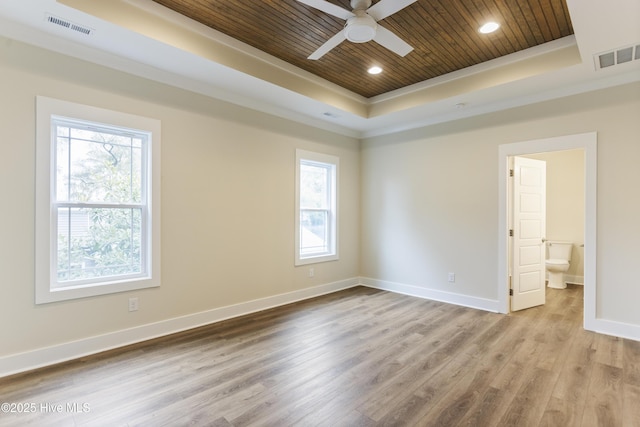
x=489 y=27
x=374 y=70
x=360 y=29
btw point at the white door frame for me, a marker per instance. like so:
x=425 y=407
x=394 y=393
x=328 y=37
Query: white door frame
x=587 y=142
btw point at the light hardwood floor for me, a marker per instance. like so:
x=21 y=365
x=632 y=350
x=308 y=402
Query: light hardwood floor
x=359 y=357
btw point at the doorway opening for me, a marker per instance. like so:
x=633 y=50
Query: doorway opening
x=588 y=143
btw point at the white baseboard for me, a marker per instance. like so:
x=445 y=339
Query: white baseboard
x=576 y=280
x=602 y=326
x=432 y=294
x=568 y=278
x=21 y=362
x=613 y=328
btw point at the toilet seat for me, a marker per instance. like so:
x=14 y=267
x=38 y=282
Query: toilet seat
x=558 y=262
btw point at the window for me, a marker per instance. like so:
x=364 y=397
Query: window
x=97 y=201
x=316 y=207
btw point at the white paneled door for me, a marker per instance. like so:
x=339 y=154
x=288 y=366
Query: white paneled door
x=529 y=228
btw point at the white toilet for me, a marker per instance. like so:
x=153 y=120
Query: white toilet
x=557 y=263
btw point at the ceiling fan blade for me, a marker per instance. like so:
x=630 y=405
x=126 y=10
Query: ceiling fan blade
x=328 y=45
x=392 y=42
x=384 y=8
x=329 y=8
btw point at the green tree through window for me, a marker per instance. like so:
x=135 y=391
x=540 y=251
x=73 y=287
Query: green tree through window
x=99 y=201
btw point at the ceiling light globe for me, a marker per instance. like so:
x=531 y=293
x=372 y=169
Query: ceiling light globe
x=360 y=29
x=374 y=70
x=489 y=27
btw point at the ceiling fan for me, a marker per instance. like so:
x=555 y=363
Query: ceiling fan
x=361 y=25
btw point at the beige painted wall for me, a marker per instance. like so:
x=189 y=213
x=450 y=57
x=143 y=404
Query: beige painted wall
x=430 y=197
x=565 y=203
x=227 y=201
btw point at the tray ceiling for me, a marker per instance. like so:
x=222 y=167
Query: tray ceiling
x=444 y=34
x=260 y=60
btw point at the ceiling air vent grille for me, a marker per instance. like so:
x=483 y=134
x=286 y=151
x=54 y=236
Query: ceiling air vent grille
x=68 y=24
x=617 y=56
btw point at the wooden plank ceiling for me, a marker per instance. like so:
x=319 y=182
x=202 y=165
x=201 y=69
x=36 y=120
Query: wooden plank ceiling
x=444 y=34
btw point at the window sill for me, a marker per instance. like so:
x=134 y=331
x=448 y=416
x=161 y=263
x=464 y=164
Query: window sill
x=316 y=259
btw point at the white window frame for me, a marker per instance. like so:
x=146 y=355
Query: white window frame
x=47 y=289
x=333 y=163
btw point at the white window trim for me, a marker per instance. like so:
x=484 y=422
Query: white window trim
x=45 y=245
x=302 y=155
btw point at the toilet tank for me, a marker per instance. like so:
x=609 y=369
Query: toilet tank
x=560 y=250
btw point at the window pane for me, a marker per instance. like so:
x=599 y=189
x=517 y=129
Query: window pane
x=98 y=242
x=313 y=232
x=62 y=169
x=314 y=190
x=98 y=167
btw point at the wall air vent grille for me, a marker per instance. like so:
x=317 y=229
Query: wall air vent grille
x=617 y=56
x=70 y=25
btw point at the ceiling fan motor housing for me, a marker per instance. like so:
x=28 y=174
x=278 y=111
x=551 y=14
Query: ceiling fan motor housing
x=361 y=28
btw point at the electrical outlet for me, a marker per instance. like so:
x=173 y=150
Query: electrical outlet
x=312 y=272
x=451 y=277
x=133 y=304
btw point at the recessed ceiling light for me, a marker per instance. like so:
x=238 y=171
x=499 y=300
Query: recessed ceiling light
x=489 y=27
x=374 y=70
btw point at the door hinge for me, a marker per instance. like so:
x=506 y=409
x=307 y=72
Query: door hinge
x=511 y=233
x=510 y=172
x=511 y=292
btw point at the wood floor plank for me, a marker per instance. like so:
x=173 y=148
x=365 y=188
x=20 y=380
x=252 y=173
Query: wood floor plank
x=437 y=379
x=560 y=413
x=395 y=389
x=529 y=403
x=631 y=405
x=330 y=381
x=631 y=367
x=570 y=390
x=605 y=401
x=359 y=357
x=425 y=372
x=486 y=411
x=489 y=358
x=609 y=350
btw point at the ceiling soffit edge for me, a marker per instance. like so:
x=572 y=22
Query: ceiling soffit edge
x=166 y=27
x=520 y=65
